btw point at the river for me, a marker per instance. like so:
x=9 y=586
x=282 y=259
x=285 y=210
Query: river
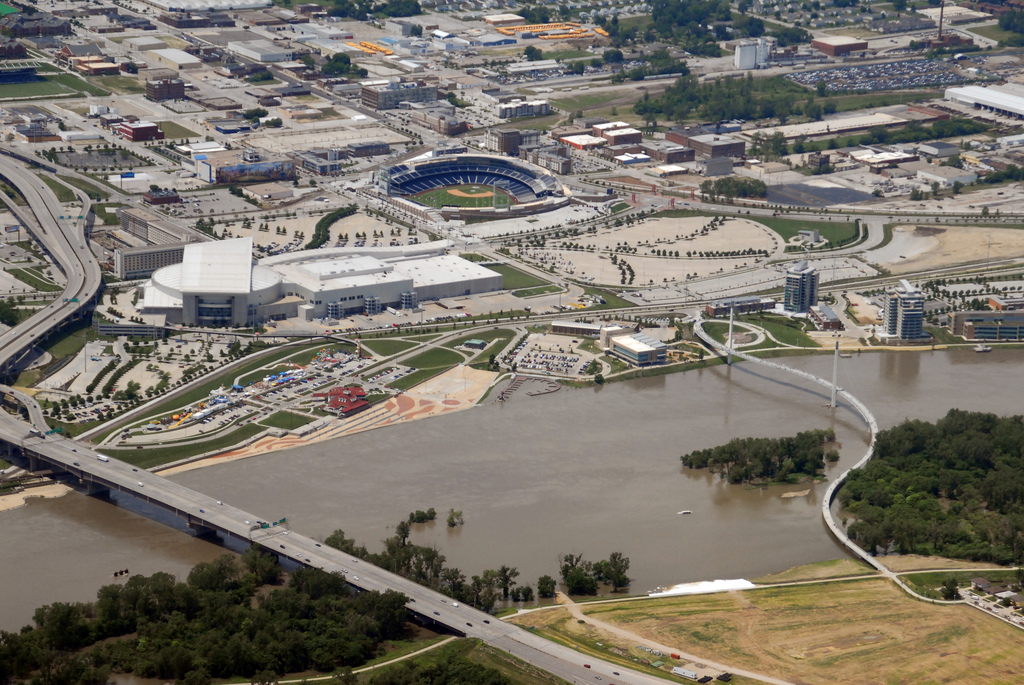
x=590 y=471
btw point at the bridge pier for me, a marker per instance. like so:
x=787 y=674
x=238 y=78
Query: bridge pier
x=93 y=489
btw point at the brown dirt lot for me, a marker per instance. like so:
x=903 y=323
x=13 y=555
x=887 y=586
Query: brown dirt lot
x=850 y=632
x=835 y=568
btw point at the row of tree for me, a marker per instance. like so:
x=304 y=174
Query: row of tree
x=225 y=621
x=730 y=187
x=743 y=460
x=954 y=488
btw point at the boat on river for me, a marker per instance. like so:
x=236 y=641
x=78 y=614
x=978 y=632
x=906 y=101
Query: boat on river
x=684 y=511
x=982 y=348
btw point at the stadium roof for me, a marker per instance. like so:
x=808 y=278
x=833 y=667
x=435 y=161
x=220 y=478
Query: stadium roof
x=837 y=41
x=224 y=266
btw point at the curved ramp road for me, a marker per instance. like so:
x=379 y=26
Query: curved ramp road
x=833 y=488
x=63 y=236
x=64 y=240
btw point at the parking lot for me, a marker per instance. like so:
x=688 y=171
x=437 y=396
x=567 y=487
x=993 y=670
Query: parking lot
x=891 y=76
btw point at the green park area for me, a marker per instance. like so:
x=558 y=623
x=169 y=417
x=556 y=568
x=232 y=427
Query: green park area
x=427 y=364
x=89 y=189
x=387 y=346
x=514 y=279
x=34 y=279
x=464 y=196
x=63 y=193
x=50 y=85
x=286 y=420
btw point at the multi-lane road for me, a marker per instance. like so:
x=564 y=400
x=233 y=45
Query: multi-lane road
x=63 y=238
x=62 y=234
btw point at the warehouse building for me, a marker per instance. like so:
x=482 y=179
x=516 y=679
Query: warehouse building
x=217 y=284
x=990 y=99
x=158 y=90
x=260 y=51
x=175 y=59
x=837 y=46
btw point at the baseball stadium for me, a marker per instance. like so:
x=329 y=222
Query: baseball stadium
x=473 y=186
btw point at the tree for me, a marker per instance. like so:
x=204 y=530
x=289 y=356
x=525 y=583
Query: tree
x=935 y=188
x=506 y=579
x=546 y=587
x=820 y=87
x=950 y=589
x=616 y=571
x=416 y=31
x=533 y=53
x=8 y=314
x=599 y=378
x=262 y=564
x=957 y=187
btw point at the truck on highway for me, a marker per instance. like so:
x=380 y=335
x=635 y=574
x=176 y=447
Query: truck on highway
x=102 y=458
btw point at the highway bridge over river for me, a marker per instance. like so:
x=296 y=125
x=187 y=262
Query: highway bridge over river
x=62 y=235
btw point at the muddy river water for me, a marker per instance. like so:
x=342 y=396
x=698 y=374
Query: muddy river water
x=590 y=471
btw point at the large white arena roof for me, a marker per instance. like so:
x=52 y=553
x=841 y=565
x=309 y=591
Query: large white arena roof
x=444 y=269
x=987 y=97
x=223 y=266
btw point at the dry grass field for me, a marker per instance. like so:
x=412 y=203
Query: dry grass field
x=851 y=632
x=834 y=568
x=916 y=562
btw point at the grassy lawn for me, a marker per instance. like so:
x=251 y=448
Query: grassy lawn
x=436 y=358
x=582 y=101
x=414 y=378
x=833 y=231
x=461 y=196
x=286 y=420
x=611 y=300
x=566 y=54
x=834 y=568
x=489 y=336
x=540 y=290
x=104 y=212
x=63 y=193
x=926 y=582
x=155 y=456
x=515 y=670
x=992 y=32
x=388 y=347
x=474 y=257
x=54 y=85
x=122 y=85
x=89 y=189
x=174 y=131
x=34 y=281
x=515 y=279
x=854 y=632
x=786 y=331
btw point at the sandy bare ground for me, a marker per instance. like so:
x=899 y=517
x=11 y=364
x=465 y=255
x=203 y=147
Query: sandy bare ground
x=932 y=247
x=18 y=499
x=916 y=562
x=662 y=234
x=454 y=390
x=835 y=568
x=856 y=632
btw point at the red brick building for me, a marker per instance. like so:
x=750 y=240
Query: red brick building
x=140 y=131
x=345 y=401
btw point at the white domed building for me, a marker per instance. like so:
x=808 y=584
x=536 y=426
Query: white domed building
x=216 y=284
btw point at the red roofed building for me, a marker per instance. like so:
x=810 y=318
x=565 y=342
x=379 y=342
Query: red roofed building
x=345 y=401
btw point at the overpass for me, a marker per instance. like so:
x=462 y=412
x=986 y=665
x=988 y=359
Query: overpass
x=62 y=235
x=33 y=448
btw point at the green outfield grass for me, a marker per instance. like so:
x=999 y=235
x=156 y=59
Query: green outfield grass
x=479 y=196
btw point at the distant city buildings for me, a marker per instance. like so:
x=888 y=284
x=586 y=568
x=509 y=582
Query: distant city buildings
x=801 y=288
x=903 y=312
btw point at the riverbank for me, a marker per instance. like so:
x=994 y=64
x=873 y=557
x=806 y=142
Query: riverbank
x=455 y=390
x=20 y=499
